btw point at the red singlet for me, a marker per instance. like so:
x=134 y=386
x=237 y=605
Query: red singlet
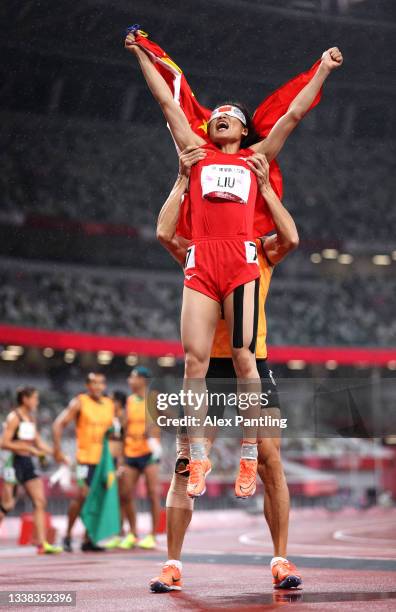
x=222 y=254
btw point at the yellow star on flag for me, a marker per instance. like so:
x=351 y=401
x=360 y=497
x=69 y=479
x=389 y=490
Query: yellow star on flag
x=110 y=479
x=204 y=126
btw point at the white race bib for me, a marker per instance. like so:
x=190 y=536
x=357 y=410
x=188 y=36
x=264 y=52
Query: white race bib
x=9 y=474
x=226 y=181
x=190 y=257
x=251 y=252
x=82 y=471
x=26 y=430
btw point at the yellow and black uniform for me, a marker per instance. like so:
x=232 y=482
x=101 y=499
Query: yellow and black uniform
x=94 y=419
x=137 y=451
x=221 y=366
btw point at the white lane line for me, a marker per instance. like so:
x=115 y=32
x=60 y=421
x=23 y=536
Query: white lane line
x=347 y=537
x=331 y=549
x=23 y=551
x=330 y=555
x=348 y=534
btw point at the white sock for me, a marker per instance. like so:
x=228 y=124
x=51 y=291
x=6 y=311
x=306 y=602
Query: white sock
x=197 y=451
x=248 y=450
x=176 y=563
x=276 y=559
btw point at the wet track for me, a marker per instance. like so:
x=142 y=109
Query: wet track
x=348 y=561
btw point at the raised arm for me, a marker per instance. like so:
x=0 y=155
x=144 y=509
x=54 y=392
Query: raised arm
x=178 y=124
x=67 y=416
x=277 y=246
x=272 y=145
x=169 y=213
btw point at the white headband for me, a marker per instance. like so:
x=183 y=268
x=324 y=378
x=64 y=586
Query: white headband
x=228 y=109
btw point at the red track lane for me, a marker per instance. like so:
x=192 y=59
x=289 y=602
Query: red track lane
x=226 y=567
x=118 y=582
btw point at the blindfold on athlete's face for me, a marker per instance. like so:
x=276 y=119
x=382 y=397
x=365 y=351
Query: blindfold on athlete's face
x=230 y=111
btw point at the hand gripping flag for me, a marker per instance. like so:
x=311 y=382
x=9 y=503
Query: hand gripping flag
x=266 y=115
x=101 y=510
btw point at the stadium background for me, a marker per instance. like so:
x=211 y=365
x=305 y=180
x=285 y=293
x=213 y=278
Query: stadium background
x=86 y=163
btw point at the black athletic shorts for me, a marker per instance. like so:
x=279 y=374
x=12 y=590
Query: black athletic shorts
x=140 y=463
x=24 y=469
x=223 y=368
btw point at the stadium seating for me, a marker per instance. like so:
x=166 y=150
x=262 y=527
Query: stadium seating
x=90 y=171
x=358 y=310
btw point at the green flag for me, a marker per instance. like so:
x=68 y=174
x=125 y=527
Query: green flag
x=101 y=510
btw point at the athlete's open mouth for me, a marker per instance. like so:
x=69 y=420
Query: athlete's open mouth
x=222 y=125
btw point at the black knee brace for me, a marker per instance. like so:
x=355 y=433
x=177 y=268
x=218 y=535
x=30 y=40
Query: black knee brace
x=182 y=466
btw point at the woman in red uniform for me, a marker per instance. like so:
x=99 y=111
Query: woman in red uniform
x=221 y=270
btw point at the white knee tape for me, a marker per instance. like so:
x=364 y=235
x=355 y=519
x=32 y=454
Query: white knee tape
x=177 y=494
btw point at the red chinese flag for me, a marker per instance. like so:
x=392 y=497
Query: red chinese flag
x=267 y=114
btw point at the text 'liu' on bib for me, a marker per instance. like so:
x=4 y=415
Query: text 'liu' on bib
x=226 y=182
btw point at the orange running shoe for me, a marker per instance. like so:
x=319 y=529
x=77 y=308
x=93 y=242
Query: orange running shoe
x=168 y=580
x=199 y=469
x=285 y=575
x=245 y=484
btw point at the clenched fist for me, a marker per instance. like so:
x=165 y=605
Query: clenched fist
x=332 y=58
x=130 y=43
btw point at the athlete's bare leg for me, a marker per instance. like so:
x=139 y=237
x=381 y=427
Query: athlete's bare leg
x=151 y=474
x=177 y=522
x=199 y=317
x=8 y=500
x=128 y=481
x=276 y=504
x=75 y=509
x=178 y=517
x=123 y=519
x=276 y=492
x=35 y=489
x=240 y=311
